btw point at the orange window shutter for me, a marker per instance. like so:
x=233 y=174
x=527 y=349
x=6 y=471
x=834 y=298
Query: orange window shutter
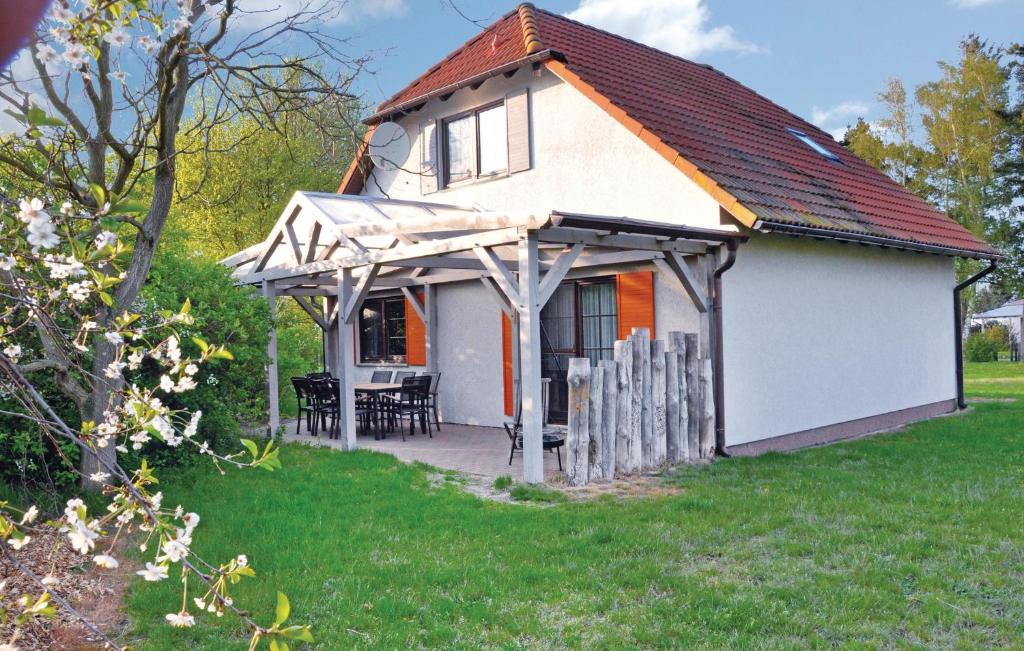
x=415 y=335
x=635 y=293
x=506 y=361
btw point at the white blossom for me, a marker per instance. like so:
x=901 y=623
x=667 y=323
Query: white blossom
x=67 y=208
x=7 y=262
x=193 y=424
x=80 y=292
x=82 y=536
x=49 y=580
x=166 y=383
x=42 y=233
x=180 y=24
x=61 y=13
x=117 y=37
x=174 y=550
x=18 y=543
x=74 y=54
x=46 y=54
x=153 y=572
x=30 y=515
x=114 y=338
x=105 y=238
x=113 y=370
x=135 y=359
x=105 y=561
x=13 y=352
x=31 y=209
x=99 y=476
x=61 y=35
x=180 y=620
x=148 y=44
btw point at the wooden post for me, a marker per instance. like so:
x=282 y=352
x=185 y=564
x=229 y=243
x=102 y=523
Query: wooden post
x=331 y=337
x=577 y=441
x=273 y=406
x=609 y=417
x=677 y=344
x=707 y=403
x=673 y=442
x=659 y=440
x=595 y=458
x=693 y=410
x=637 y=394
x=624 y=405
x=430 y=307
x=647 y=404
x=346 y=364
x=530 y=359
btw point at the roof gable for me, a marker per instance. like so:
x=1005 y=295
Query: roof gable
x=733 y=142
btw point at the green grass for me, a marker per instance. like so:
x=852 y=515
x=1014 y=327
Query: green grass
x=912 y=539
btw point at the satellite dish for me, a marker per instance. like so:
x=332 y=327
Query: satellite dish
x=389 y=146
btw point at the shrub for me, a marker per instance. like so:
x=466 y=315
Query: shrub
x=985 y=345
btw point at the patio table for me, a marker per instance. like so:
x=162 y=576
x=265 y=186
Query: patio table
x=375 y=390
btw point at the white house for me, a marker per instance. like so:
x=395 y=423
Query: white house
x=635 y=176
x=1009 y=314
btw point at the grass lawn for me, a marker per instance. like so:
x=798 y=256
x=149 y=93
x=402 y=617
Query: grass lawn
x=910 y=539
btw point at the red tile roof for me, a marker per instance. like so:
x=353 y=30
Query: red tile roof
x=732 y=141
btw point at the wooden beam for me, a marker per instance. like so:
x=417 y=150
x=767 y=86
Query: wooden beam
x=637 y=242
x=310 y=310
x=416 y=305
x=359 y=293
x=530 y=359
x=556 y=274
x=385 y=256
x=676 y=268
x=314 y=241
x=499 y=272
x=346 y=363
x=498 y=296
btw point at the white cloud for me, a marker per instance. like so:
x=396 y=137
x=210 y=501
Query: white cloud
x=835 y=119
x=971 y=4
x=334 y=12
x=677 y=26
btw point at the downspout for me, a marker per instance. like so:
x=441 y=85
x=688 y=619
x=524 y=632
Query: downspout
x=718 y=361
x=959 y=330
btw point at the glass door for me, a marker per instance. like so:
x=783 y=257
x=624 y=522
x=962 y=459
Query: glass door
x=580 y=320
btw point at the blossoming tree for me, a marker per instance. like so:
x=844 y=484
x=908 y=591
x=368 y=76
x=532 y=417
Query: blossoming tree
x=105 y=93
x=87 y=186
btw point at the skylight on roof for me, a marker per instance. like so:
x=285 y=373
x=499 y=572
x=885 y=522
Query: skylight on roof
x=807 y=140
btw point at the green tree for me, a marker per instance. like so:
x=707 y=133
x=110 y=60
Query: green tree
x=234 y=180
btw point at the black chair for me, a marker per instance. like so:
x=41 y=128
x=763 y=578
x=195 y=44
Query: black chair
x=319 y=376
x=552 y=438
x=325 y=395
x=435 y=379
x=401 y=375
x=381 y=377
x=304 y=399
x=411 y=401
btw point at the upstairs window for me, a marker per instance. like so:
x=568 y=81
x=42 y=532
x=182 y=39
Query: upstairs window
x=810 y=142
x=475 y=144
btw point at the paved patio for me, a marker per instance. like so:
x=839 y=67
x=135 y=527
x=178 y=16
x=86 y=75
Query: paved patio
x=481 y=451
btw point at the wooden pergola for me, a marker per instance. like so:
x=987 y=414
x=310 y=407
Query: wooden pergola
x=345 y=247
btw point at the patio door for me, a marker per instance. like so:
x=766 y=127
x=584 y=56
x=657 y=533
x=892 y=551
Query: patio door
x=580 y=320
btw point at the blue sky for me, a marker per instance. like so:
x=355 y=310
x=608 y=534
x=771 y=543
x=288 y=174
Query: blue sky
x=822 y=59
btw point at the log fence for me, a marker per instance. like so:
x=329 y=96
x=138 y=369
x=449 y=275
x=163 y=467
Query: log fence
x=651 y=406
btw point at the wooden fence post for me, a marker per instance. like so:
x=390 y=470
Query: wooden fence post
x=595 y=455
x=577 y=441
x=707 y=404
x=658 y=403
x=693 y=408
x=677 y=344
x=673 y=442
x=624 y=405
x=637 y=392
x=609 y=417
x=647 y=406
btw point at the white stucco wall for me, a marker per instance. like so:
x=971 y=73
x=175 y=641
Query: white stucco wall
x=818 y=333
x=583 y=161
